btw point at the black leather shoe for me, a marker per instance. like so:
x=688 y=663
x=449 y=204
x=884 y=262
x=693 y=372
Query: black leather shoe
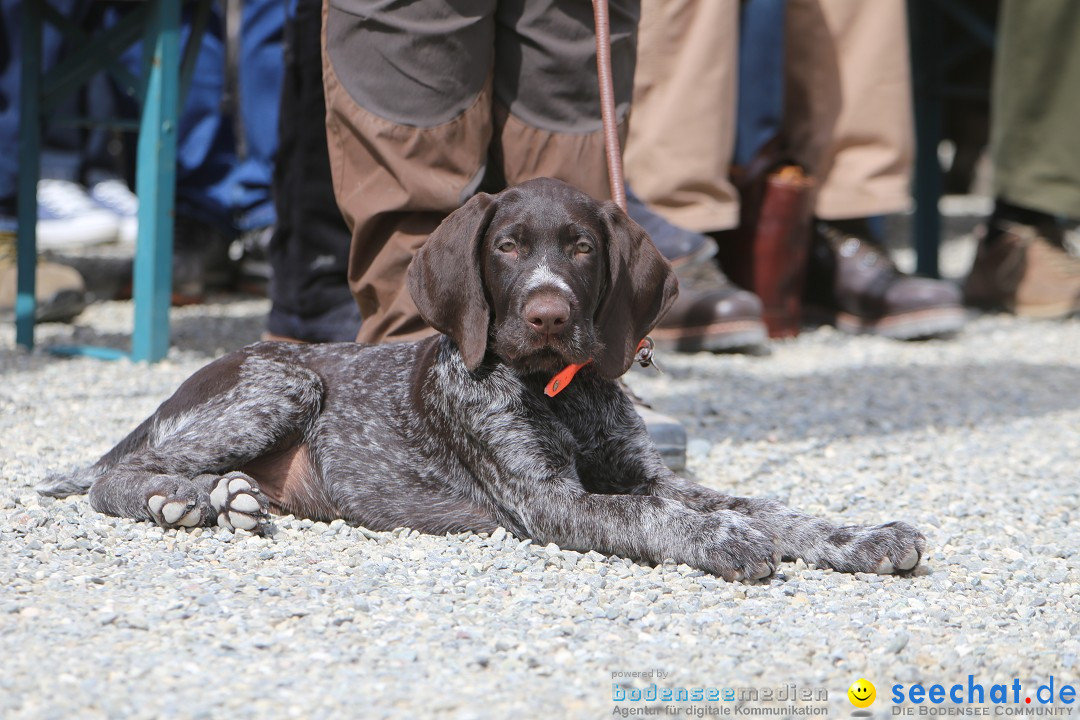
x=711 y=313
x=853 y=282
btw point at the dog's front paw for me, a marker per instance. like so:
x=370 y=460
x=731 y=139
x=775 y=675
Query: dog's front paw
x=174 y=504
x=894 y=547
x=238 y=503
x=738 y=547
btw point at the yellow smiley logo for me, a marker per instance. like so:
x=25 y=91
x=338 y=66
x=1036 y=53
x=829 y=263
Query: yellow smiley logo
x=862 y=693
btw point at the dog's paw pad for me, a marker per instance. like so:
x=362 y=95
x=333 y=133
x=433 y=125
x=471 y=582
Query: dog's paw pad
x=907 y=562
x=750 y=574
x=245 y=503
x=238 y=504
x=910 y=560
x=903 y=548
x=174 y=513
x=155 y=503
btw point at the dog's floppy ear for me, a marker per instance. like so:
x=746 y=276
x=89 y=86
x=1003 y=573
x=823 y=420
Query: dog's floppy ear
x=445 y=282
x=640 y=288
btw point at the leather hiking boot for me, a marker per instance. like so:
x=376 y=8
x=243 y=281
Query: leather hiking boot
x=711 y=313
x=853 y=282
x=1026 y=270
x=59 y=289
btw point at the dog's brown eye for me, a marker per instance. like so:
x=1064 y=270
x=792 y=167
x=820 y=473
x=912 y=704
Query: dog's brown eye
x=583 y=247
x=507 y=246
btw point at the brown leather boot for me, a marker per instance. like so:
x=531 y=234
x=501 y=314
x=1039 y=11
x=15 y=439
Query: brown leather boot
x=711 y=313
x=1026 y=270
x=853 y=282
x=766 y=254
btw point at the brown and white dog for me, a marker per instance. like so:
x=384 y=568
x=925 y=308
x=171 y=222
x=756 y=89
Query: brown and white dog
x=456 y=433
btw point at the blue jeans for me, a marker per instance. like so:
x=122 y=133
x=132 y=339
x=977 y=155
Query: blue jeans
x=760 y=107
x=11 y=84
x=213 y=182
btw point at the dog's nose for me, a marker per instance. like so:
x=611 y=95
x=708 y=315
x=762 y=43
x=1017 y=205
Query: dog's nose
x=547 y=314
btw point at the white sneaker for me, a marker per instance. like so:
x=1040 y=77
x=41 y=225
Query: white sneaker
x=68 y=218
x=116 y=197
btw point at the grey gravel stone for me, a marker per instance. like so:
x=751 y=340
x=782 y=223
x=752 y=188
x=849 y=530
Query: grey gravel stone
x=976 y=440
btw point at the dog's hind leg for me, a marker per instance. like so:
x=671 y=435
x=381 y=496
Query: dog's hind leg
x=180 y=468
x=78 y=482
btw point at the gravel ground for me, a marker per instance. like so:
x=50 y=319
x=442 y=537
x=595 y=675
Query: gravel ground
x=975 y=439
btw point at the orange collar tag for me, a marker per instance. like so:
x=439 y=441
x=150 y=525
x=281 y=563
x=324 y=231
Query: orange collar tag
x=558 y=383
x=563 y=378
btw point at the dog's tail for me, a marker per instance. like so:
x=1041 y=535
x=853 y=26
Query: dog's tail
x=70 y=483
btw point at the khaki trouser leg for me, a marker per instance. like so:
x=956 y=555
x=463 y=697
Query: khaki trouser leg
x=848 y=115
x=682 y=136
x=1036 y=103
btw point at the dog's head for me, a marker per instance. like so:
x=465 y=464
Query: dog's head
x=543 y=276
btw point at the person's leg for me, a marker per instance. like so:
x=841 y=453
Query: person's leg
x=206 y=148
x=11 y=84
x=547 y=101
x=849 y=114
x=408 y=135
x=1022 y=264
x=677 y=159
x=261 y=69
x=760 y=102
x=679 y=149
x=1036 y=100
x=309 y=251
x=848 y=121
x=59 y=290
x=205 y=157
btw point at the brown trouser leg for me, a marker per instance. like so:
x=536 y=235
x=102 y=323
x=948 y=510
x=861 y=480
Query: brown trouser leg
x=420 y=97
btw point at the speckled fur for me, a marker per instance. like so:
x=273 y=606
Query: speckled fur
x=444 y=436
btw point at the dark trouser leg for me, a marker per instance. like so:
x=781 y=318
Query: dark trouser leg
x=309 y=252
x=547 y=102
x=409 y=139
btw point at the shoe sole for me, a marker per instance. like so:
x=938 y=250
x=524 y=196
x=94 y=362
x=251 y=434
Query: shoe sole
x=61 y=308
x=727 y=335
x=1053 y=311
x=74 y=233
x=1045 y=311
x=926 y=323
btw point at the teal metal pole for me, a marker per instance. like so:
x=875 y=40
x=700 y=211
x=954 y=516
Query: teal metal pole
x=29 y=169
x=155 y=182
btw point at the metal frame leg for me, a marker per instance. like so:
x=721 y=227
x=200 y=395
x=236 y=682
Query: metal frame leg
x=164 y=81
x=926 y=41
x=155 y=185
x=29 y=170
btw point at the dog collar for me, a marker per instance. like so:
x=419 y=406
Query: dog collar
x=643 y=355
